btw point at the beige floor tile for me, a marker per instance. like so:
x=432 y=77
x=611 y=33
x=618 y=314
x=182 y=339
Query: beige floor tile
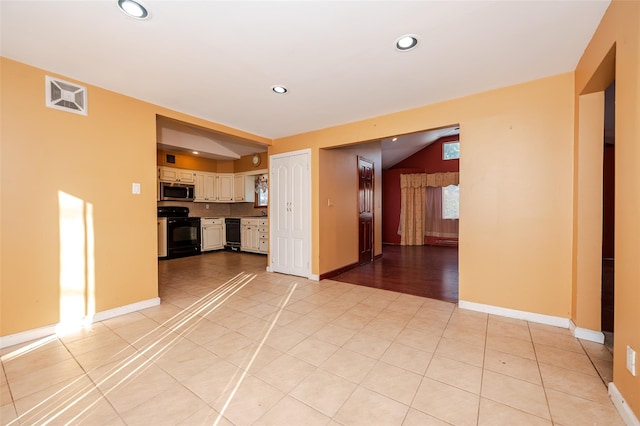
x=249 y=401
x=349 y=365
x=124 y=320
x=255 y=330
x=418 y=418
x=43 y=377
x=596 y=350
x=351 y=321
x=284 y=338
x=255 y=359
x=514 y=366
x=387 y=329
x=323 y=391
x=8 y=413
x=393 y=382
x=508 y=329
x=309 y=325
x=185 y=359
x=574 y=411
x=585 y=386
x=334 y=334
x=163 y=313
x=447 y=403
x=550 y=328
x=401 y=317
x=407 y=357
x=495 y=414
x=461 y=351
x=77 y=401
x=19 y=361
x=105 y=355
x=565 y=359
x=131 y=388
x=515 y=393
x=168 y=407
x=314 y=351
x=511 y=346
x=289 y=410
x=231 y=343
x=5 y=394
x=468 y=321
x=83 y=332
x=464 y=334
x=407 y=304
x=213 y=383
x=430 y=305
x=418 y=339
x=365 y=407
x=428 y=325
x=605 y=369
x=285 y=372
x=205 y=416
x=455 y=373
x=367 y=345
x=205 y=332
x=366 y=311
x=557 y=340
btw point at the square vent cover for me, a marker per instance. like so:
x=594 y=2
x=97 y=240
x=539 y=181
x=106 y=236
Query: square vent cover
x=65 y=96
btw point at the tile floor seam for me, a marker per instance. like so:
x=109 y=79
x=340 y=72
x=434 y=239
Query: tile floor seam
x=544 y=388
x=594 y=365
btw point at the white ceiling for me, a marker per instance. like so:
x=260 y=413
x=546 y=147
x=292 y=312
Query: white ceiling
x=218 y=60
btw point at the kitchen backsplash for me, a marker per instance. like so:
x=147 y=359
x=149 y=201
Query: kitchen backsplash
x=216 y=209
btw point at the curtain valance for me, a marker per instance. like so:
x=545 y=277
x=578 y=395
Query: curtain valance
x=423 y=180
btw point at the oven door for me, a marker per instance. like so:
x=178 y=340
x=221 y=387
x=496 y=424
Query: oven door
x=183 y=236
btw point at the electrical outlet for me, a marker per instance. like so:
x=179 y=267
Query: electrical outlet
x=135 y=188
x=631 y=360
x=206 y=206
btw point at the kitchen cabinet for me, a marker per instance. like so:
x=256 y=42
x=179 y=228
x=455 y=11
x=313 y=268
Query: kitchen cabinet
x=224 y=187
x=170 y=174
x=249 y=235
x=244 y=188
x=213 y=234
x=263 y=236
x=205 y=184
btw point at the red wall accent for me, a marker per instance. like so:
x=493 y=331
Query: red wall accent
x=427 y=160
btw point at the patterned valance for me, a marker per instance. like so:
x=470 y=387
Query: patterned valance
x=422 y=180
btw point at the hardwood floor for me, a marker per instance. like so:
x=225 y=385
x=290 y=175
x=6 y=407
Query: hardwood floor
x=427 y=271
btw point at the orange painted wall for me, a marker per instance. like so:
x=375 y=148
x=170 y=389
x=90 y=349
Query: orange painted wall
x=185 y=161
x=515 y=185
x=620 y=27
x=94 y=158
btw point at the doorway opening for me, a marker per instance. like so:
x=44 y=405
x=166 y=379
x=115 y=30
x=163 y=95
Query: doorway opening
x=608 y=214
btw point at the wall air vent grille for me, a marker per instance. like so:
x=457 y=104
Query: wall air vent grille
x=65 y=96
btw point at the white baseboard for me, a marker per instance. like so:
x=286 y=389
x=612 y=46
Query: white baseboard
x=38 y=333
x=621 y=405
x=514 y=313
x=586 y=334
x=269 y=269
x=314 y=277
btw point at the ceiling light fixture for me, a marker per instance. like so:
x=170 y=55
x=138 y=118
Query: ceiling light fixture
x=280 y=90
x=195 y=152
x=406 y=42
x=394 y=139
x=133 y=8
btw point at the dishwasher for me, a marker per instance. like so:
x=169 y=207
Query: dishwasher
x=232 y=228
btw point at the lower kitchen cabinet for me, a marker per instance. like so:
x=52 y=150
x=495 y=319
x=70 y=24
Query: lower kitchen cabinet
x=254 y=235
x=213 y=234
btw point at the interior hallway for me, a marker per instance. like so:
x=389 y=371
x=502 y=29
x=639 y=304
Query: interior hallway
x=235 y=345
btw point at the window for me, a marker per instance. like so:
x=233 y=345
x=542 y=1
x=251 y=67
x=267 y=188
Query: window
x=450 y=150
x=450 y=202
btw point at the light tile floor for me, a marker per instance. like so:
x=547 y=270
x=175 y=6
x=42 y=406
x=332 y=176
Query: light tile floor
x=232 y=344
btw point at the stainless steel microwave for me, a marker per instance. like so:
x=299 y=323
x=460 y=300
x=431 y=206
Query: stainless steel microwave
x=177 y=191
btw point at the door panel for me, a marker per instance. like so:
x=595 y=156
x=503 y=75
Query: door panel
x=365 y=210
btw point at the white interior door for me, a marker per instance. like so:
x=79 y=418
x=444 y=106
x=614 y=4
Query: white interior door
x=290 y=186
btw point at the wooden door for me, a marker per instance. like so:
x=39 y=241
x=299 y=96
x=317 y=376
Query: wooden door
x=365 y=210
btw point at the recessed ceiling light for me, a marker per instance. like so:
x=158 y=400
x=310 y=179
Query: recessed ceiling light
x=133 y=8
x=280 y=90
x=394 y=139
x=195 y=152
x=406 y=42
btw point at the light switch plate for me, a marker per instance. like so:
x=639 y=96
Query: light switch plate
x=135 y=188
x=631 y=360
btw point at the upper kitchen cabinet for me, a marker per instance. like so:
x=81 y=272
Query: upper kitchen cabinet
x=243 y=188
x=205 y=187
x=224 y=186
x=170 y=174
